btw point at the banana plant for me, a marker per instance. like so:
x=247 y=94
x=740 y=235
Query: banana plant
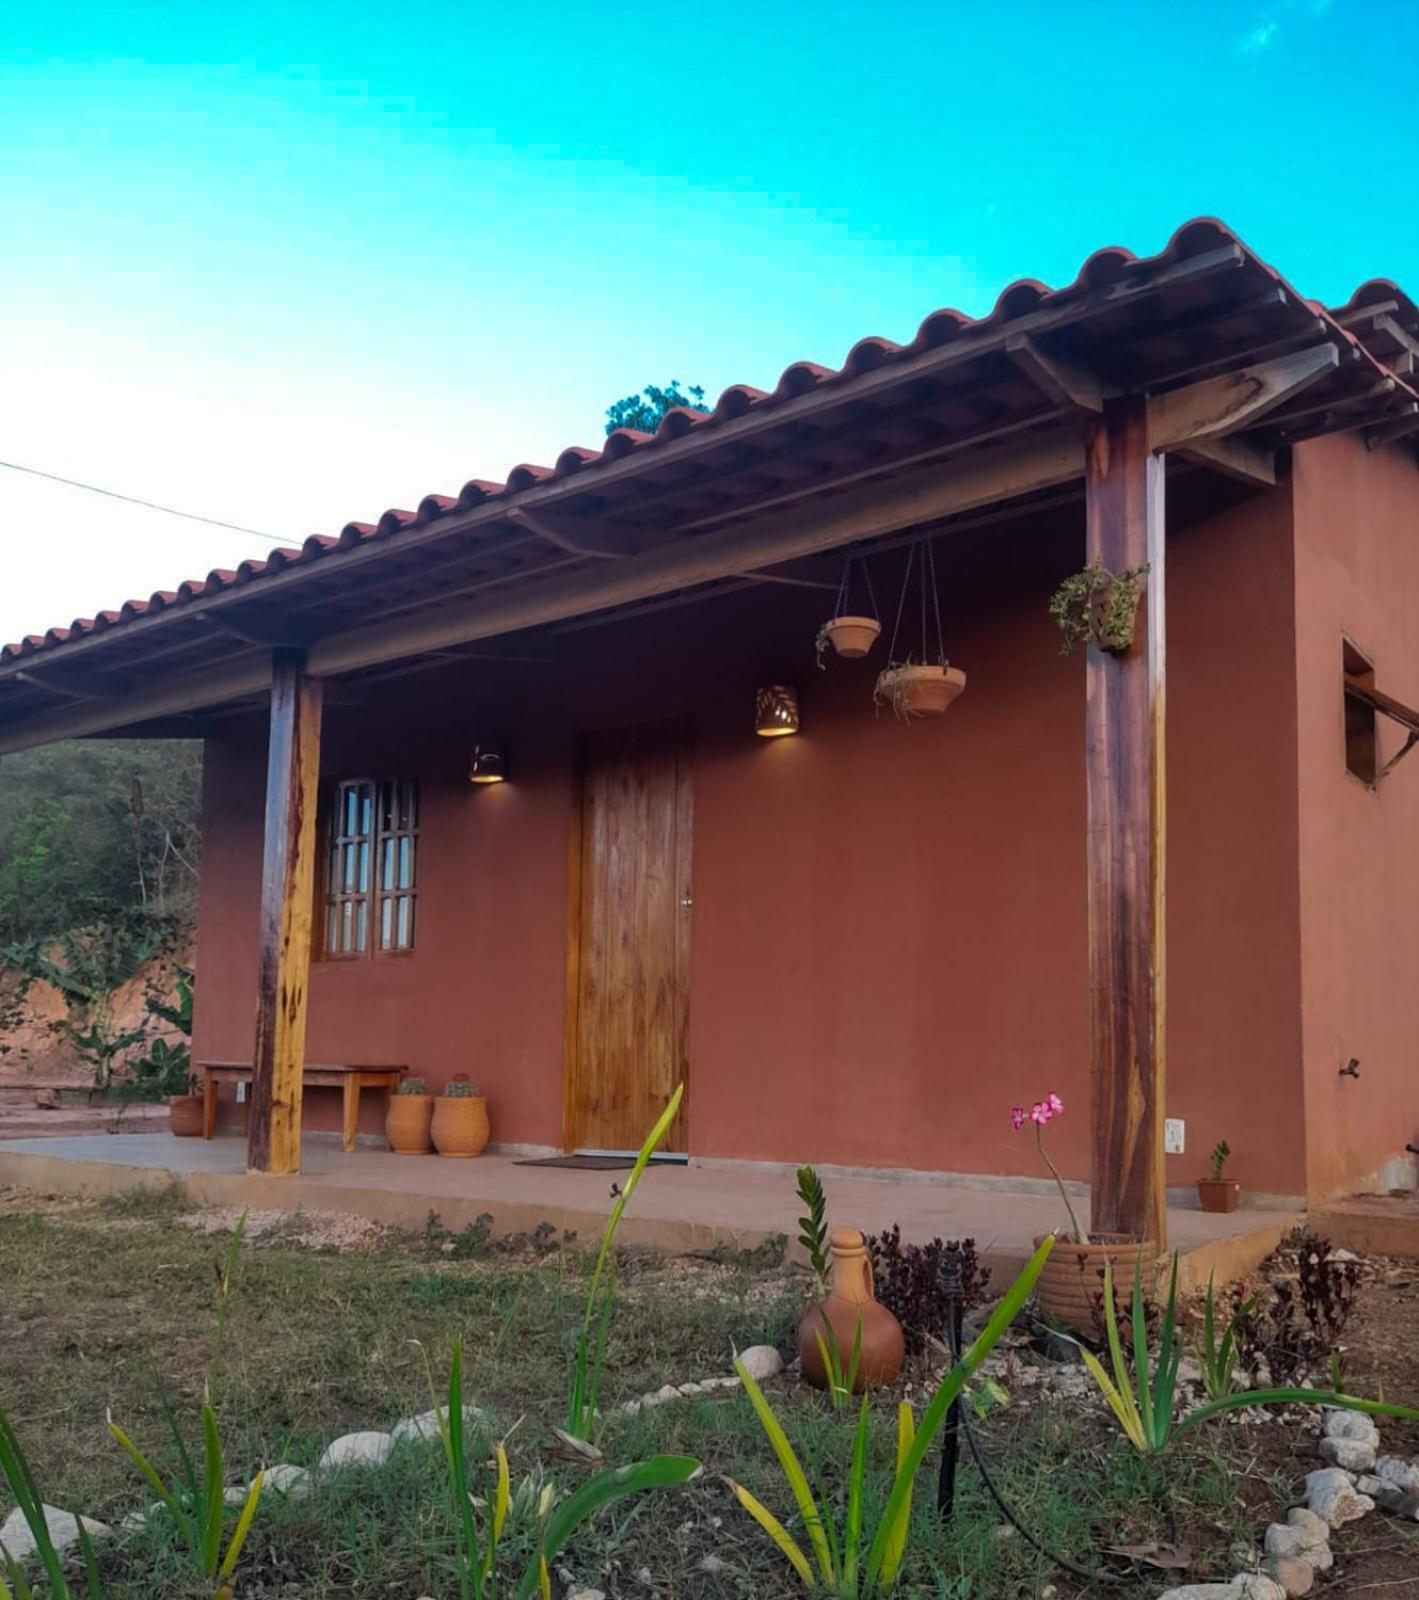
x=479 y=1573
x=595 y=1330
x=1143 y=1401
x=855 y=1562
x=15 y=1473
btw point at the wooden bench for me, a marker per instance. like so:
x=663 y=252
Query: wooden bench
x=350 y=1080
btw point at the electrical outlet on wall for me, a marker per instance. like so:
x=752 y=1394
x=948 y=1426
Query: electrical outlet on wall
x=1174 y=1141
x=241 y=1093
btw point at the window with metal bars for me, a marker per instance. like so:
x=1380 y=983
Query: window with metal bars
x=371 y=883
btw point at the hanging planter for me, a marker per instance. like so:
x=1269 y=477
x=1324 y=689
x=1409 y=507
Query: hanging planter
x=913 y=691
x=919 y=688
x=850 y=636
x=1099 y=607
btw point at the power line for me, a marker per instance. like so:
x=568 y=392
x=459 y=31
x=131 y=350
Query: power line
x=150 y=505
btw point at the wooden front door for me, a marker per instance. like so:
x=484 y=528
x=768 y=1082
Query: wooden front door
x=630 y=937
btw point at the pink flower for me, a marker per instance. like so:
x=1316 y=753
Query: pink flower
x=1017 y=1118
x=1040 y=1113
x=1055 y=1104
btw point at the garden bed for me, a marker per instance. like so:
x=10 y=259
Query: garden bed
x=107 y=1305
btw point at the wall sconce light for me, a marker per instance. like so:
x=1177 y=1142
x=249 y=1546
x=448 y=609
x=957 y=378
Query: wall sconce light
x=487 y=762
x=775 y=710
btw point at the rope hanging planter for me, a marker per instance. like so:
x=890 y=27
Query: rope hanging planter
x=926 y=687
x=850 y=635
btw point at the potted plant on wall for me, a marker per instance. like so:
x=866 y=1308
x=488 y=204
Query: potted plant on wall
x=849 y=633
x=924 y=683
x=1099 y=607
x=1218 y=1193
x=1071 y=1287
x=460 y=1120
x=406 y=1122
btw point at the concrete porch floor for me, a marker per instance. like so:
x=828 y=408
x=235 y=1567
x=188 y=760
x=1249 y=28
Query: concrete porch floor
x=676 y=1208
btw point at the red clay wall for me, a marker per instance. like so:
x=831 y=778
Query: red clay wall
x=888 y=944
x=1357 y=573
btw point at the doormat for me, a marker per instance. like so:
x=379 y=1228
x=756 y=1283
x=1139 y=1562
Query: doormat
x=582 y=1163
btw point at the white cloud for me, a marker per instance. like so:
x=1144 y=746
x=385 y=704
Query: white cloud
x=1261 y=37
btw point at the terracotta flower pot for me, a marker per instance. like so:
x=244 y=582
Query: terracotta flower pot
x=1219 y=1194
x=851 y=1300
x=460 y=1125
x=852 y=637
x=919 y=691
x=185 y=1115
x=406 y=1124
x=1071 y=1287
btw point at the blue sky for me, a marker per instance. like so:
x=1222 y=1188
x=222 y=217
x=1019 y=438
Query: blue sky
x=290 y=264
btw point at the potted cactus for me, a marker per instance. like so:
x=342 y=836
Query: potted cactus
x=406 y=1122
x=1218 y=1193
x=460 y=1119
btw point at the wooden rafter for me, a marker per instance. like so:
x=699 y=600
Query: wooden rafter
x=1219 y=406
x=1062 y=381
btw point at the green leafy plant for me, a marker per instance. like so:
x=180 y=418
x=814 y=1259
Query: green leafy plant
x=1099 y=606
x=1218 y=1357
x=412 y=1086
x=1220 y=1154
x=590 y=1358
x=478 y=1573
x=813 y=1225
x=853 y=1560
x=15 y=1473
x=197 y=1503
x=1143 y=1400
x=164 y=1071
x=841 y=1378
x=644 y=411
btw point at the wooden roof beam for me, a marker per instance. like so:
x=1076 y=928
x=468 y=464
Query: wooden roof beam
x=1236 y=457
x=1400 y=428
x=1060 y=379
x=1219 y=406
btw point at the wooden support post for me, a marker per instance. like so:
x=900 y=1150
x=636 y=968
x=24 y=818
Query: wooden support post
x=1124 y=757
x=287 y=907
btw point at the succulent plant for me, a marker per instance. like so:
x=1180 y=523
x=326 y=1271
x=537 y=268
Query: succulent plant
x=412 y=1086
x=460 y=1088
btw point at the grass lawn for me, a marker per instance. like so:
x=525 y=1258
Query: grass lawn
x=108 y=1305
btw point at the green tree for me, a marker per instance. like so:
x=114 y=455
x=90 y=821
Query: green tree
x=643 y=411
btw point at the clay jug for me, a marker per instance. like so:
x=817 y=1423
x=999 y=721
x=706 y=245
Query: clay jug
x=851 y=1300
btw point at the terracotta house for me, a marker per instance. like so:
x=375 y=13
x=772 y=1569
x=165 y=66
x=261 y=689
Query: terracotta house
x=862 y=943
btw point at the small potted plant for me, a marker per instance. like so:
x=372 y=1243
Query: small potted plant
x=849 y=634
x=460 y=1120
x=1218 y=1193
x=406 y=1122
x=1099 y=607
x=918 y=691
x=186 y=1105
x=1071 y=1287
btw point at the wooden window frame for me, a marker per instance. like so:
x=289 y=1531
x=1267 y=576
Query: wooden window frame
x=388 y=837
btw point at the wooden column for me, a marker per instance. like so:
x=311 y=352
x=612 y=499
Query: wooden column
x=287 y=910
x=1124 y=757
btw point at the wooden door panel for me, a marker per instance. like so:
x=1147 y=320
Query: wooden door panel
x=632 y=959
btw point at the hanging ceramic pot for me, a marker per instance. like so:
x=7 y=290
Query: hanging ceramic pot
x=849 y=1305
x=850 y=635
x=919 y=683
x=913 y=691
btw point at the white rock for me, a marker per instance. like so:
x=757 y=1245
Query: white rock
x=63 y=1528
x=1203 y=1591
x=630 y=1407
x=761 y=1362
x=1295 y=1575
x=1320 y=1557
x=586 y=1594
x=357 y=1450
x=666 y=1393
x=424 y=1429
x=1394 y=1470
x=1309 y=1526
x=1351 y=1425
x=691 y=1388
x=1283 y=1540
x=711 y=1564
x=286 y=1479
x=1355 y=1455
x=235 y=1495
x=1331 y=1495
x=1257 y=1586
